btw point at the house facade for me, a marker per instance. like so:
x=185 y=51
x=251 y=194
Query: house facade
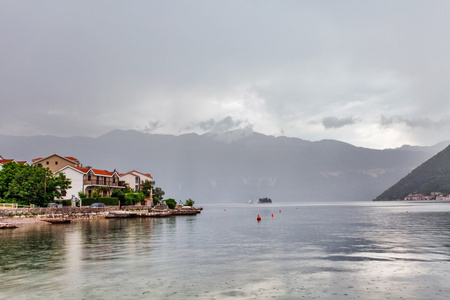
x=56 y=162
x=134 y=179
x=87 y=180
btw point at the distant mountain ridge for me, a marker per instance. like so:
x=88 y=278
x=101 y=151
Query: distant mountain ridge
x=431 y=176
x=236 y=166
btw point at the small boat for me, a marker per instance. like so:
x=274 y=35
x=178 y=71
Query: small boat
x=57 y=220
x=250 y=202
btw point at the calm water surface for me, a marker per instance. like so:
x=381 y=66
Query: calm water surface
x=311 y=251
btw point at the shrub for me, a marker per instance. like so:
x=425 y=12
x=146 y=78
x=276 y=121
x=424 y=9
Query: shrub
x=95 y=194
x=171 y=203
x=118 y=194
x=133 y=198
x=189 y=202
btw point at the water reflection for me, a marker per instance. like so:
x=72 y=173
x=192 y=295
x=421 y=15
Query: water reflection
x=338 y=251
x=38 y=247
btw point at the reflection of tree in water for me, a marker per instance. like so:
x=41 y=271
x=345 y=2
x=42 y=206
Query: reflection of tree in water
x=115 y=238
x=38 y=247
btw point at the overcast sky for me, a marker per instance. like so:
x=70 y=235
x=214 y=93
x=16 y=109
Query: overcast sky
x=370 y=73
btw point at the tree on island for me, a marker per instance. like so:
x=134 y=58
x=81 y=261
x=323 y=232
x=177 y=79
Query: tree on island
x=25 y=184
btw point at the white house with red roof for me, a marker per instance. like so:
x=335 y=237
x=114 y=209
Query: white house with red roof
x=86 y=180
x=134 y=179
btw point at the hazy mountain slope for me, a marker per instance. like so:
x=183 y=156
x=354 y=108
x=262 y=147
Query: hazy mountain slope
x=236 y=166
x=431 y=176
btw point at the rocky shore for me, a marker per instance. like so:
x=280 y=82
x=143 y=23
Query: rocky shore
x=13 y=218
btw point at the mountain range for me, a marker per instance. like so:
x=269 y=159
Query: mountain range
x=236 y=166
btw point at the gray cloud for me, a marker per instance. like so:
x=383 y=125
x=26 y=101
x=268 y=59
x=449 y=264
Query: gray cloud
x=224 y=125
x=425 y=123
x=334 y=122
x=83 y=68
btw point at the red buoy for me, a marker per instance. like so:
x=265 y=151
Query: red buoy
x=280 y=210
x=272 y=215
x=258 y=218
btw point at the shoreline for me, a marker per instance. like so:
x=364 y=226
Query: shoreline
x=22 y=218
x=23 y=221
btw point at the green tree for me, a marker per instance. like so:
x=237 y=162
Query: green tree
x=159 y=193
x=171 y=203
x=118 y=194
x=126 y=188
x=25 y=184
x=95 y=194
x=189 y=202
x=133 y=198
x=103 y=190
x=146 y=188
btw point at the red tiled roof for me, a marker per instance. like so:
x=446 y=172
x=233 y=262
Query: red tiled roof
x=4 y=161
x=84 y=170
x=95 y=171
x=67 y=157
x=148 y=175
x=71 y=158
x=102 y=172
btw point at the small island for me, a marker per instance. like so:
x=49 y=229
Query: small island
x=265 y=200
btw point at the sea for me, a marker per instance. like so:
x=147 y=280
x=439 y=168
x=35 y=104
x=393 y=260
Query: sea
x=339 y=250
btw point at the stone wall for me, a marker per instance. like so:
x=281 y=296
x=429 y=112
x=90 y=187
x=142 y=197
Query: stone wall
x=66 y=211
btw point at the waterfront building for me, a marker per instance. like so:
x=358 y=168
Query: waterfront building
x=55 y=162
x=135 y=179
x=87 y=180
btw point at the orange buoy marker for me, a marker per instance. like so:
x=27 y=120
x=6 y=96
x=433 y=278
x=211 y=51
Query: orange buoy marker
x=258 y=218
x=272 y=215
x=280 y=210
x=224 y=210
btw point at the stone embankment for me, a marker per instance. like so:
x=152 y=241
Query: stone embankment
x=9 y=218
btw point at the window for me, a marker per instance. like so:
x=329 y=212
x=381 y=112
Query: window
x=104 y=180
x=46 y=162
x=89 y=177
x=56 y=163
x=114 y=179
x=136 y=188
x=136 y=179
